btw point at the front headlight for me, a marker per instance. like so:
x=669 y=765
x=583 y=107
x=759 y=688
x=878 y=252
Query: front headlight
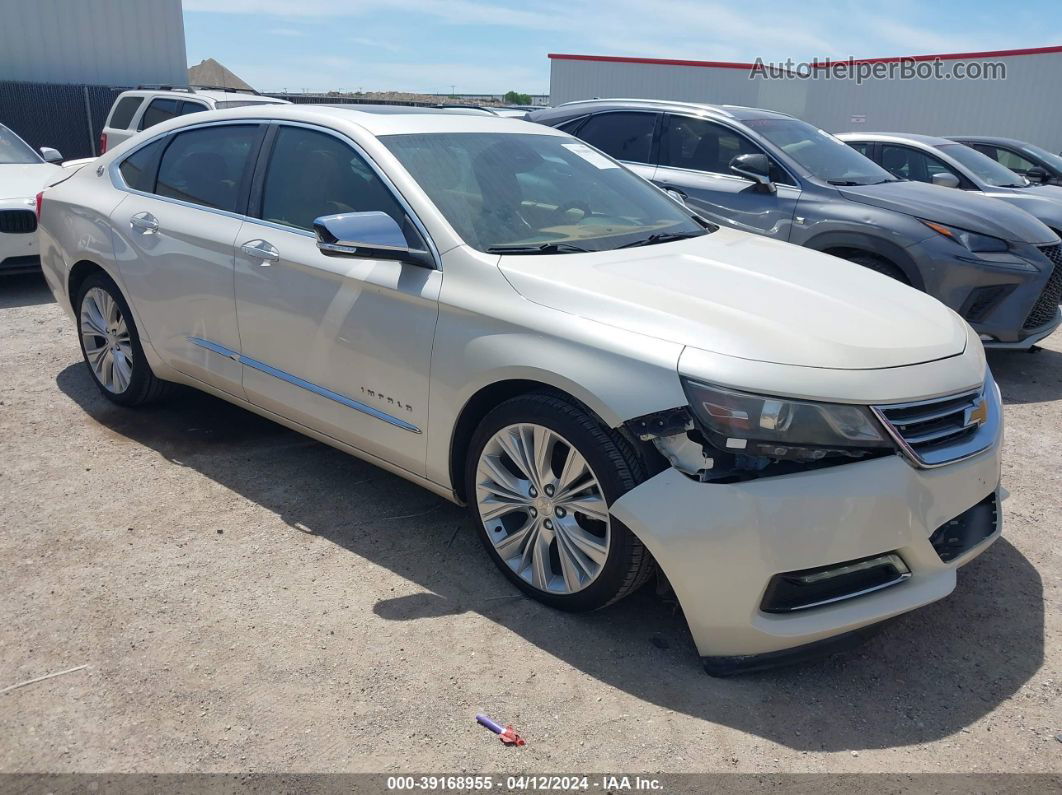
x=758 y=425
x=972 y=241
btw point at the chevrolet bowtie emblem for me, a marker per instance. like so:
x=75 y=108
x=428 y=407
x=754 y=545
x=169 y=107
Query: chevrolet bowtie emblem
x=978 y=415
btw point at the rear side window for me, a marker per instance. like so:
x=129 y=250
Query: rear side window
x=311 y=174
x=625 y=136
x=208 y=165
x=191 y=107
x=138 y=170
x=123 y=112
x=158 y=111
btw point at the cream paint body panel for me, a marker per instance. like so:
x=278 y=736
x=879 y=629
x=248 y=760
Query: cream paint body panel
x=181 y=279
x=719 y=544
x=361 y=329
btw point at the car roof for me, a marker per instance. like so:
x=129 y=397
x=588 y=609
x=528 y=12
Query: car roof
x=987 y=139
x=927 y=140
x=412 y=120
x=739 y=112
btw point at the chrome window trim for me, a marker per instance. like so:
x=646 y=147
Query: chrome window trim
x=309 y=386
x=119 y=184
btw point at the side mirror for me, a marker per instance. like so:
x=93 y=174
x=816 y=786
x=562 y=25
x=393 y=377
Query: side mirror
x=946 y=179
x=50 y=155
x=371 y=235
x=1037 y=175
x=678 y=196
x=755 y=167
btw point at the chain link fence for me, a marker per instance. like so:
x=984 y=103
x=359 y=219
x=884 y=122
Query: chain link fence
x=67 y=117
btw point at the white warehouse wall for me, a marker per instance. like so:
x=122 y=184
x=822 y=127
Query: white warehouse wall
x=1024 y=105
x=103 y=42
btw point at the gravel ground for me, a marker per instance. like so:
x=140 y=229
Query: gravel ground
x=246 y=599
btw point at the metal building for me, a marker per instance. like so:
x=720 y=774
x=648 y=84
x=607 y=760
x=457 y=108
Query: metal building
x=1020 y=105
x=106 y=42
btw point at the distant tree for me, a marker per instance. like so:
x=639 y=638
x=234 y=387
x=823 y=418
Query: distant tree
x=516 y=98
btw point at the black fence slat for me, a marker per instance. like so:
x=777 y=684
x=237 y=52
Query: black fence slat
x=66 y=117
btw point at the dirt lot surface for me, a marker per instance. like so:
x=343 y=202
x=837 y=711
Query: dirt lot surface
x=248 y=599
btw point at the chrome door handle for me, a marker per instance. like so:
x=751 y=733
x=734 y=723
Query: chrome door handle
x=261 y=250
x=144 y=221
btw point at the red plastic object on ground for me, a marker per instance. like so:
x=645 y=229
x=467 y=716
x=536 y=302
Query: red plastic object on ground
x=507 y=734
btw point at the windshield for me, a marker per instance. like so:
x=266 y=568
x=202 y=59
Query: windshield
x=1052 y=160
x=15 y=151
x=828 y=158
x=525 y=193
x=984 y=168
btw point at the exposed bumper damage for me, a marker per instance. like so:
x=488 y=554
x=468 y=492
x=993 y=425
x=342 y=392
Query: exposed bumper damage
x=721 y=544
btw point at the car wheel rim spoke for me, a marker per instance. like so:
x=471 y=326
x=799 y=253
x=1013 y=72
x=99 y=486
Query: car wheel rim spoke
x=107 y=340
x=542 y=508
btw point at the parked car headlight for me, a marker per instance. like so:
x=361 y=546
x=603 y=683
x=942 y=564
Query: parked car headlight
x=971 y=241
x=759 y=425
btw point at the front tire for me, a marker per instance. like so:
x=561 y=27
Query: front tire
x=541 y=475
x=111 y=345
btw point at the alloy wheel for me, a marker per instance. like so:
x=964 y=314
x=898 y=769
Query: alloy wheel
x=543 y=509
x=105 y=335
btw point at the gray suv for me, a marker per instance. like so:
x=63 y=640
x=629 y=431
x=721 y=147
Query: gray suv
x=769 y=173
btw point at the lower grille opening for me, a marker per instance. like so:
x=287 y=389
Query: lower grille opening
x=966 y=530
x=800 y=590
x=982 y=300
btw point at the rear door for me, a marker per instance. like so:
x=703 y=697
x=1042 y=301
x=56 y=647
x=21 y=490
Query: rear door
x=175 y=233
x=339 y=344
x=695 y=157
x=628 y=136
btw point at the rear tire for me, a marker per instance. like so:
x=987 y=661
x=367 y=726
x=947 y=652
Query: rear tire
x=882 y=266
x=111 y=345
x=541 y=474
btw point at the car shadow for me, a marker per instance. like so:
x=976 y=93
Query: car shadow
x=24 y=289
x=925 y=676
x=1027 y=377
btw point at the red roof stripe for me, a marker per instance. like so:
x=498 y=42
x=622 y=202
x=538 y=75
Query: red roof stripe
x=952 y=56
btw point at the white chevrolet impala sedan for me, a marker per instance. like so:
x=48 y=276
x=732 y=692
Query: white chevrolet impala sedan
x=502 y=314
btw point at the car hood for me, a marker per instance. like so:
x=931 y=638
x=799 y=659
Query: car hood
x=1041 y=201
x=971 y=210
x=25 y=181
x=747 y=296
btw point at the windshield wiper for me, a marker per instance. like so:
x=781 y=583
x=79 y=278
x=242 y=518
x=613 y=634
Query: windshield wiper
x=545 y=248
x=843 y=182
x=661 y=237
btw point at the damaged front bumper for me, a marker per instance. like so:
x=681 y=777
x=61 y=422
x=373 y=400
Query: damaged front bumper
x=720 y=545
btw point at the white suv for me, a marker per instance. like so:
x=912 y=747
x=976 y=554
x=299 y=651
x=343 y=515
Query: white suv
x=145 y=107
x=508 y=317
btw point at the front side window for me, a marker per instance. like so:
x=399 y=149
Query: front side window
x=1008 y=158
x=819 y=153
x=123 y=112
x=524 y=193
x=702 y=145
x=158 y=111
x=311 y=174
x=138 y=170
x=986 y=169
x=15 y=151
x=624 y=136
x=207 y=166
x=914 y=164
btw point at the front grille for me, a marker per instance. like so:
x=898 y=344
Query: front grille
x=800 y=590
x=966 y=530
x=1046 y=306
x=18 y=222
x=941 y=430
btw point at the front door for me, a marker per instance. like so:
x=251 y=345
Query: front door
x=174 y=245
x=694 y=162
x=338 y=344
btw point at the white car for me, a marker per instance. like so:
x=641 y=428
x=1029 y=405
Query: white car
x=23 y=173
x=145 y=107
x=507 y=317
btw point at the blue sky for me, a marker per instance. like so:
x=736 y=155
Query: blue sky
x=481 y=46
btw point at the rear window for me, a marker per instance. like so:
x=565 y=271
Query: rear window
x=123 y=112
x=158 y=111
